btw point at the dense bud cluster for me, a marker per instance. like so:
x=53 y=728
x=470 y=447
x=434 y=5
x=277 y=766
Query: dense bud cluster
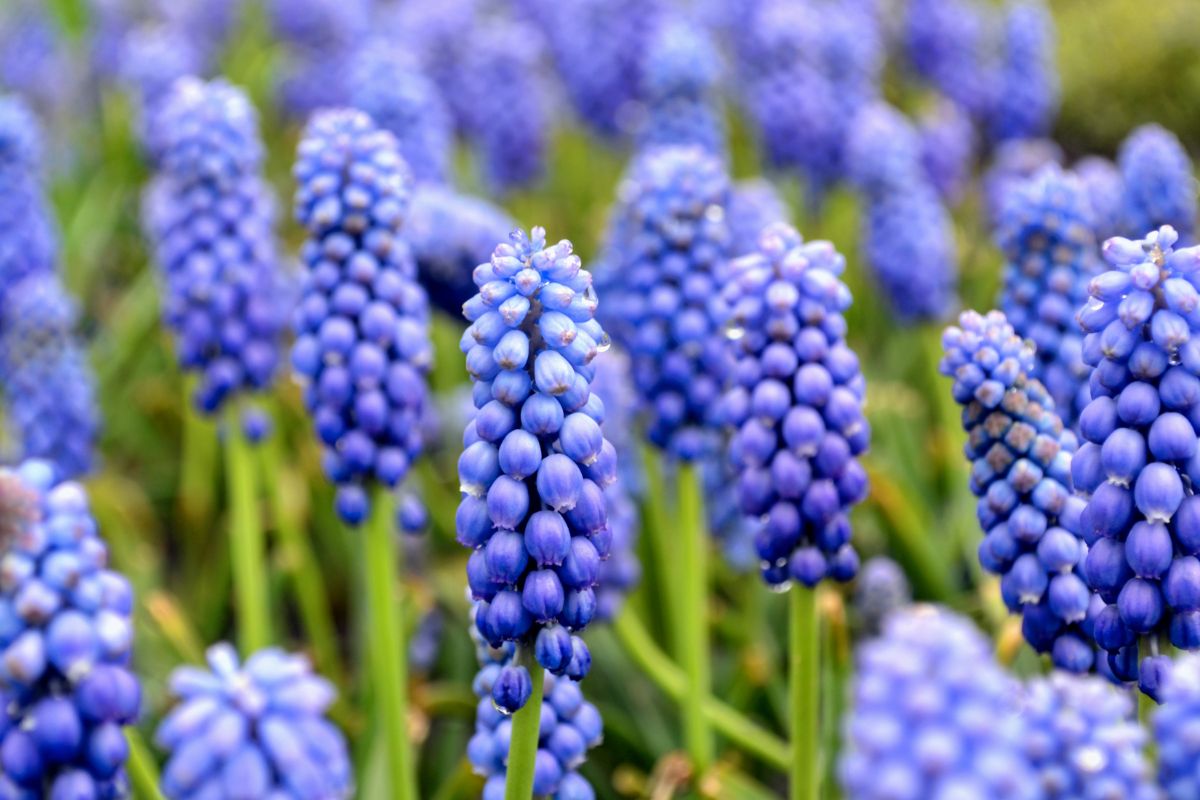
x=48 y=385
x=1013 y=163
x=389 y=86
x=28 y=242
x=909 y=238
x=1140 y=463
x=535 y=463
x=508 y=114
x=1174 y=727
x=680 y=91
x=152 y=57
x=211 y=218
x=253 y=730
x=947 y=148
x=950 y=43
x=1083 y=740
x=620 y=572
x=1160 y=188
x=1026 y=94
x=450 y=233
x=569 y=727
x=668 y=242
x=362 y=345
x=1051 y=252
x=1106 y=194
x=66 y=637
x=880 y=588
x=933 y=716
x=753 y=205
x=320 y=36
x=1020 y=456
x=796 y=401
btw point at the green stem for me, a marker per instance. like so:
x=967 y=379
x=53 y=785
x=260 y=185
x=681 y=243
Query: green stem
x=693 y=625
x=656 y=665
x=522 y=748
x=805 y=695
x=388 y=659
x=661 y=543
x=143 y=771
x=199 y=464
x=247 y=548
x=306 y=580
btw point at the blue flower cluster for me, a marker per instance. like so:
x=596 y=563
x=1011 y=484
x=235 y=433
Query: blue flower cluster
x=535 y=463
x=795 y=400
x=1160 y=188
x=1051 y=253
x=807 y=71
x=949 y=43
x=362 y=340
x=1106 y=193
x=1026 y=95
x=948 y=143
x=152 y=57
x=1020 y=456
x=668 y=242
x=1174 y=725
x=509 y=116
x=66 y=635
x=621 y=571
x=253 y=730
x=570 y=726
x=933 y=716
x=28 y=242
x=1141 y=462
x=434 y=33
x=211 y=216
x=1083 y=740
x=389 y=86
x=1014 y=162
x=34 y=56
x=450 y=233
x=321 y=35
x=880 y=589
x=753 y=205
x=909 y=238
x=48 y=385
x=598 y=47
x=680 y=91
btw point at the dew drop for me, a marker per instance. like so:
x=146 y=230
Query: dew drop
x=605 y=343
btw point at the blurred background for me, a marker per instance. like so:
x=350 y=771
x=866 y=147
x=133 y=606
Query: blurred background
x=90 y=68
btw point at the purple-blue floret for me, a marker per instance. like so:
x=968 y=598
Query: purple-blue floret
x=1027 y=93
x=1160 y=188
x=680 y=90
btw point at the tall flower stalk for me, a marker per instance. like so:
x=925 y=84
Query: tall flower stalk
x=363 y=351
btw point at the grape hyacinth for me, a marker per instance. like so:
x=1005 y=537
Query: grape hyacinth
x=1106 y=192
x=1160 y=188
x=909 y=238
x=28 y=240
x=795 y=400
x=753 y=205
x=450 y=233
x=433 y=32
x=1051 y=253
x=253 y=730
x=680 y=89
x=947 y=148
x=1174 y=727
x=362 y=341
x=621 y=570
x=509 y=117
x=152 y=57
x=1020 y=456
x=569 y=727
x=880 y=589
x=1014 y=162
x=668 y=241
x=1083 y=739
x=933 y=716
x=1140 y=463
x=66 y=689
x=321 y=35
x=536 y=464
x=49 y=390
x=211 y=217
x=388 y=85
x=951 y=43
x=1026 y=97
